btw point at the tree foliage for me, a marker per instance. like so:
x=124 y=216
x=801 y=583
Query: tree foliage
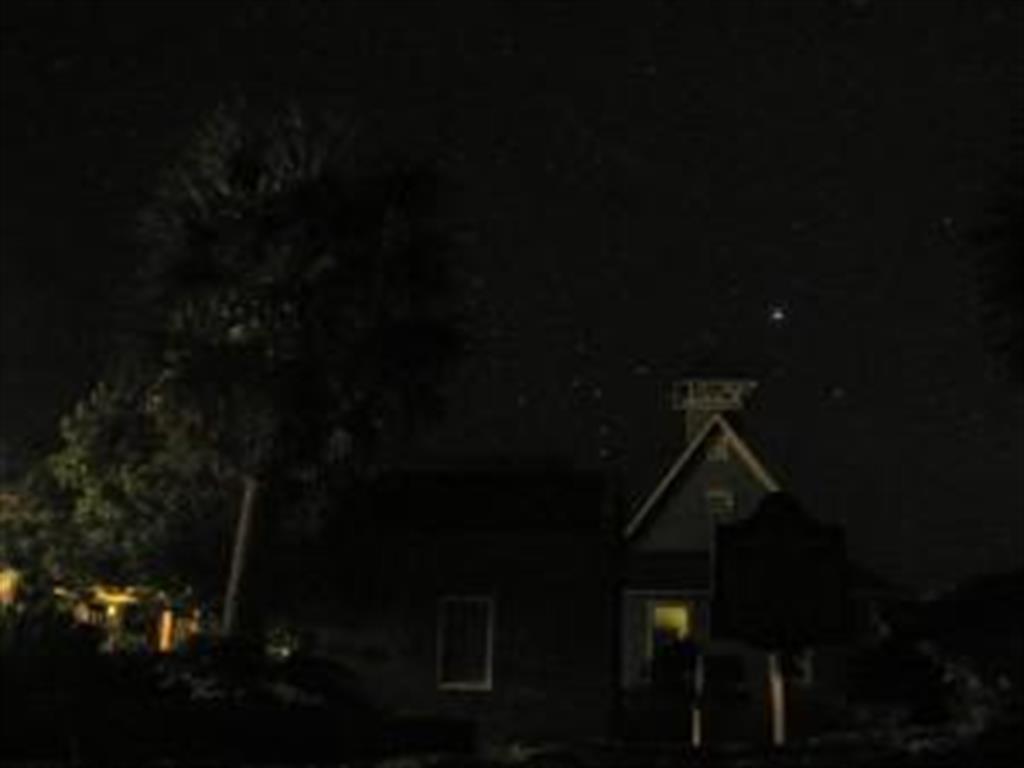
x=303 y=292
x=304 y=302
x=122 y=501
x=299 y=305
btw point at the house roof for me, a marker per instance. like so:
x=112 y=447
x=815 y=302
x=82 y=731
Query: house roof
x=537 y=499
x=717 y=423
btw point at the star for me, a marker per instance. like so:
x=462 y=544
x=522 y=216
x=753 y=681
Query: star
x=837 y=392
x=641 y=369
x=777 y=314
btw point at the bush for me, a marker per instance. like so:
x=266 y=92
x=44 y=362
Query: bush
x=66 y=700
x=899 y=678
x=50 y=671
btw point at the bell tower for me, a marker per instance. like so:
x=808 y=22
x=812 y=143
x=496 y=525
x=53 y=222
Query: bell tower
x=700 y=399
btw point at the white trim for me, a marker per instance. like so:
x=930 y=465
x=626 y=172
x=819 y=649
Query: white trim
x=668 y=477
x=711 y=394
x=742 y=450
x=487 y=683
x=750 y=458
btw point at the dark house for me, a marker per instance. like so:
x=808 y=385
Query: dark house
x=723 y=690
x=487 y=596
x=525 y=600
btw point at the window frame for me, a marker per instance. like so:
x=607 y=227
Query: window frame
x=696 y=602
x=720 y=503
x=650 y=623
x=487 y=682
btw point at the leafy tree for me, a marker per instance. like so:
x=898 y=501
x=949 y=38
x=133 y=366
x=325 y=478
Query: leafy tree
x=122 y=501
x=302 y=303
x=299 y=307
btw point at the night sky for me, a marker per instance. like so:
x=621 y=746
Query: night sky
x=642 y=191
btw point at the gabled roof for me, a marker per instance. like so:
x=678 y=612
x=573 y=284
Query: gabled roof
x=689 y=454
x=538 y=499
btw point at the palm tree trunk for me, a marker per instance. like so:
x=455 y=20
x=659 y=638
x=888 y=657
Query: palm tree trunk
x=777 y=698
x=239 y=555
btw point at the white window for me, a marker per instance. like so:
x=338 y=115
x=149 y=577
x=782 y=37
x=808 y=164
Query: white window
x=720 y=503
x=465 y=643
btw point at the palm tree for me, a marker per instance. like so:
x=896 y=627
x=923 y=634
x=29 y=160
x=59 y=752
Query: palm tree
x=301 y=302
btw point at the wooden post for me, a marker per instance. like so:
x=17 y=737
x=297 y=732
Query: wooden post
x=777 y=699
x=696 y=722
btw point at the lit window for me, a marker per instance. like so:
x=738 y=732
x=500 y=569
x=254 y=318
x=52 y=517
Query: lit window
x=721 y=503
x=671 y=653
x=465 y=643
x=660 y=632
x=670 y=624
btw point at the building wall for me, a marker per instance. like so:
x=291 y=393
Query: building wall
x=684 y=522
x=554 y=632
x=673 y=555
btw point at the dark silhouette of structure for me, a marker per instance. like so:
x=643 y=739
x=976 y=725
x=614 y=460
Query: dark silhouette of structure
x=523 y=598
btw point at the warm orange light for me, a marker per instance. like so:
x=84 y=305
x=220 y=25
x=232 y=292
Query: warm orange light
x=8 y=586
x=115 y=596
x=105 y=606
x=165 y=642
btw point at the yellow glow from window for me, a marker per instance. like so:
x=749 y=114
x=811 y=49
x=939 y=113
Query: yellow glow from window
x=672 y=619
